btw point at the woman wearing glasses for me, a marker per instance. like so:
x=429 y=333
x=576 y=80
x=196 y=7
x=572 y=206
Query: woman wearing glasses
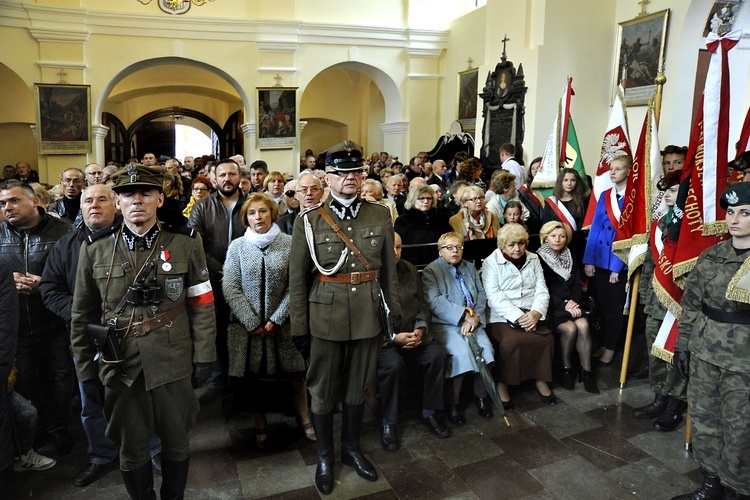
x=474 y=221
x=421 y=223
x=199 y=189
x=457 y=305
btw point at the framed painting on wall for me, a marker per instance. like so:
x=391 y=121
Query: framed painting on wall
x=277 y=117
x=62 y=118
x=468 y=82
x=639 y=55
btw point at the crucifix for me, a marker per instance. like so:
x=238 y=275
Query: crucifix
x=62 y=74
x=643 y=4
x=505 y=39
x=278 y=80
x=469 y=62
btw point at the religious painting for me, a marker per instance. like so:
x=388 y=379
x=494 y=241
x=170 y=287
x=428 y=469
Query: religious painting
x=640 y=54
x=277 y=117
x=468 y=84
x=63 y=125
x=721 y=17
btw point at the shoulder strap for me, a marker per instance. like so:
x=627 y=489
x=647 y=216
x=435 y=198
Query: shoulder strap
x=349 y=243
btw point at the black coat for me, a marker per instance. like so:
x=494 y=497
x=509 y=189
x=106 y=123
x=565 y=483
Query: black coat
x=561 y=290
x=8 y=341
x=417 y=227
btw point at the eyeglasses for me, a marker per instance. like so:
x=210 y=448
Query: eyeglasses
x=476 y=199
x=450 y=248
x=303 y=190
x=71 y=181
x=199 y=190
x=425 y=199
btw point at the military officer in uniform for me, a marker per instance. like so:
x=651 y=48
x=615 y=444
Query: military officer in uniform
x=149 y=284
x=714 y=347
x=335 y=293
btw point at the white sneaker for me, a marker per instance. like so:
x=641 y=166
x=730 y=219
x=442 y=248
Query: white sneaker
x=33 y=461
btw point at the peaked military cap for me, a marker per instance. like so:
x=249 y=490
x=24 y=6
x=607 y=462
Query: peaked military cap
x=345 y=157
x=737 y=195
x=741 y=163
x=137 y=175
x=669 y=180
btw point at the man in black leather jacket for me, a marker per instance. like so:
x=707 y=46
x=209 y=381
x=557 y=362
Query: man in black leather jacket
x=26 y=237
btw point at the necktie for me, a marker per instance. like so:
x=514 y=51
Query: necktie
x=464 y=288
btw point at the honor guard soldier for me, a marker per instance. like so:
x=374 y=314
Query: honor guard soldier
x=144 y=298
x=713 y=354
x=342 y=260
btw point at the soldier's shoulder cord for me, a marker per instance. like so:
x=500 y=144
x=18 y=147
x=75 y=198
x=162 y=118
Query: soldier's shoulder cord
x=309 y=209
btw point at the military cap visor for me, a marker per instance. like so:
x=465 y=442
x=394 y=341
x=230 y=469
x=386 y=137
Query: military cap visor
x=735 y=196
x=669 y=180
x=741 y=163
x=136 y=175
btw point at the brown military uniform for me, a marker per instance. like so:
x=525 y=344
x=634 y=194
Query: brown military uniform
x=342 y=318
x=156 y=393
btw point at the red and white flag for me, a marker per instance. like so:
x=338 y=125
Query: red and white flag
x=616 y=142
x=631 y=232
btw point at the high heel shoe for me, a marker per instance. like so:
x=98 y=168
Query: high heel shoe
x=568 y=380
x=589 y=384
x=507 y=405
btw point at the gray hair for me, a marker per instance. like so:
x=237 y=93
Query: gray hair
x=110 y=193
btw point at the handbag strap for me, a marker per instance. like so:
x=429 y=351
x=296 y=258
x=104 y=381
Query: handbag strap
x=348 y=242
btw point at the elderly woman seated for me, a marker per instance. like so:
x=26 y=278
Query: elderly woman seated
x=372 y=190
x=457 y=305
x=421 y=223
x=517 y=297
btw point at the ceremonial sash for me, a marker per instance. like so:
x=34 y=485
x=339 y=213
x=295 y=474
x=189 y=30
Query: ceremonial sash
x=612 y=206
x=562 y=212
x=666 y=291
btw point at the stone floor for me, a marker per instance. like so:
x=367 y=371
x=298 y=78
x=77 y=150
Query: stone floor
x=587 y=446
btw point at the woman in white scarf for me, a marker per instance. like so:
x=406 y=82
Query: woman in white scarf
x=563 y=278
x=256 y=287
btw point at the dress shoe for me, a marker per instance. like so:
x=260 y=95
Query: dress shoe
x=507 y=405
x=156 y=464
x=589 y=383
x=568 y=379
x=388 y=437
x=456 y=416
x=484 y=407
x=653 y=409
x=672 y=416
x=436 y=426
x=550 y=400
x=63 y=442
x=92 y=473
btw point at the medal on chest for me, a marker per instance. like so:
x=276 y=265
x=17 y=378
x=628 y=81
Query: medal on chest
x=164 y=256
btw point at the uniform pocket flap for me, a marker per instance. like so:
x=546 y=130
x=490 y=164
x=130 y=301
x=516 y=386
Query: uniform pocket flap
x=103 y=272
x=371 y=232
x=323 y=238
x=172 y=267
x=321 y=297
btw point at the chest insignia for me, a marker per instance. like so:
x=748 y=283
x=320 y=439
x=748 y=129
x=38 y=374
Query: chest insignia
x=173 y=288
x=373 y=243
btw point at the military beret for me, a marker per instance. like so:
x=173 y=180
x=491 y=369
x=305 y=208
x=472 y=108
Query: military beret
x=669 y=180
x=345 y=157
x=741 y=163
x=739 y=194
x=137 y=175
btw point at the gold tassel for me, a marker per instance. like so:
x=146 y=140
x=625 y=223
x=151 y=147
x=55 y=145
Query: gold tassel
x=715 y=228
x=661 y=353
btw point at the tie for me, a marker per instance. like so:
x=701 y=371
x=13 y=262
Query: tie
x=464 y=289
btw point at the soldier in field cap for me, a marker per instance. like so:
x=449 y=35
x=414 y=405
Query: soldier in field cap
x=149 y=285
x=336 y=280
x=713 y=354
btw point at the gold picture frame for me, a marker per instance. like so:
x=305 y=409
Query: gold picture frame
x=636 y=62
x=277 y=126
x=63 y=118
x=466 y=100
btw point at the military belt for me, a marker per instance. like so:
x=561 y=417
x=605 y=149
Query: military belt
x=143 y=327
x=352 y=278
x=740 y=318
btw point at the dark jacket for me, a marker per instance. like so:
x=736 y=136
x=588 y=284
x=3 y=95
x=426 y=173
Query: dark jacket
x=8 y=341
x=417 y=227
x=286 y=221
x=26 y=252
x=415 y=311
x=59 y=277
x=209 y=218
x=561 y=290
x=58 y=207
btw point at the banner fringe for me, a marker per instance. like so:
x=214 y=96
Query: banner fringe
x=715 y=228
x=661 y=353
x=733 y=291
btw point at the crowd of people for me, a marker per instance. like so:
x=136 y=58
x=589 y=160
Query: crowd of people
x=327 y=287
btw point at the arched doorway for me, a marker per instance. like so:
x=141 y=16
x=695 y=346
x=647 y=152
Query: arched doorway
x=349 y=100
x=151 y=98
x=17 y=141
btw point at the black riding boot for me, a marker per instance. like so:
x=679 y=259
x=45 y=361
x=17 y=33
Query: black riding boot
x=323 y=424
x=140 y=482
x=351 y=453
x=711 y=489
x=174 y=478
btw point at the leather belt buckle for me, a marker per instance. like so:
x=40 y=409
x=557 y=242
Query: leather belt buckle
x=355 y=278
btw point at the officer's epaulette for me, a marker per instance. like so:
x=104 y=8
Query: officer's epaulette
x=374 y=202
x=186 y=230
x=104 y=232
x=314 y=207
